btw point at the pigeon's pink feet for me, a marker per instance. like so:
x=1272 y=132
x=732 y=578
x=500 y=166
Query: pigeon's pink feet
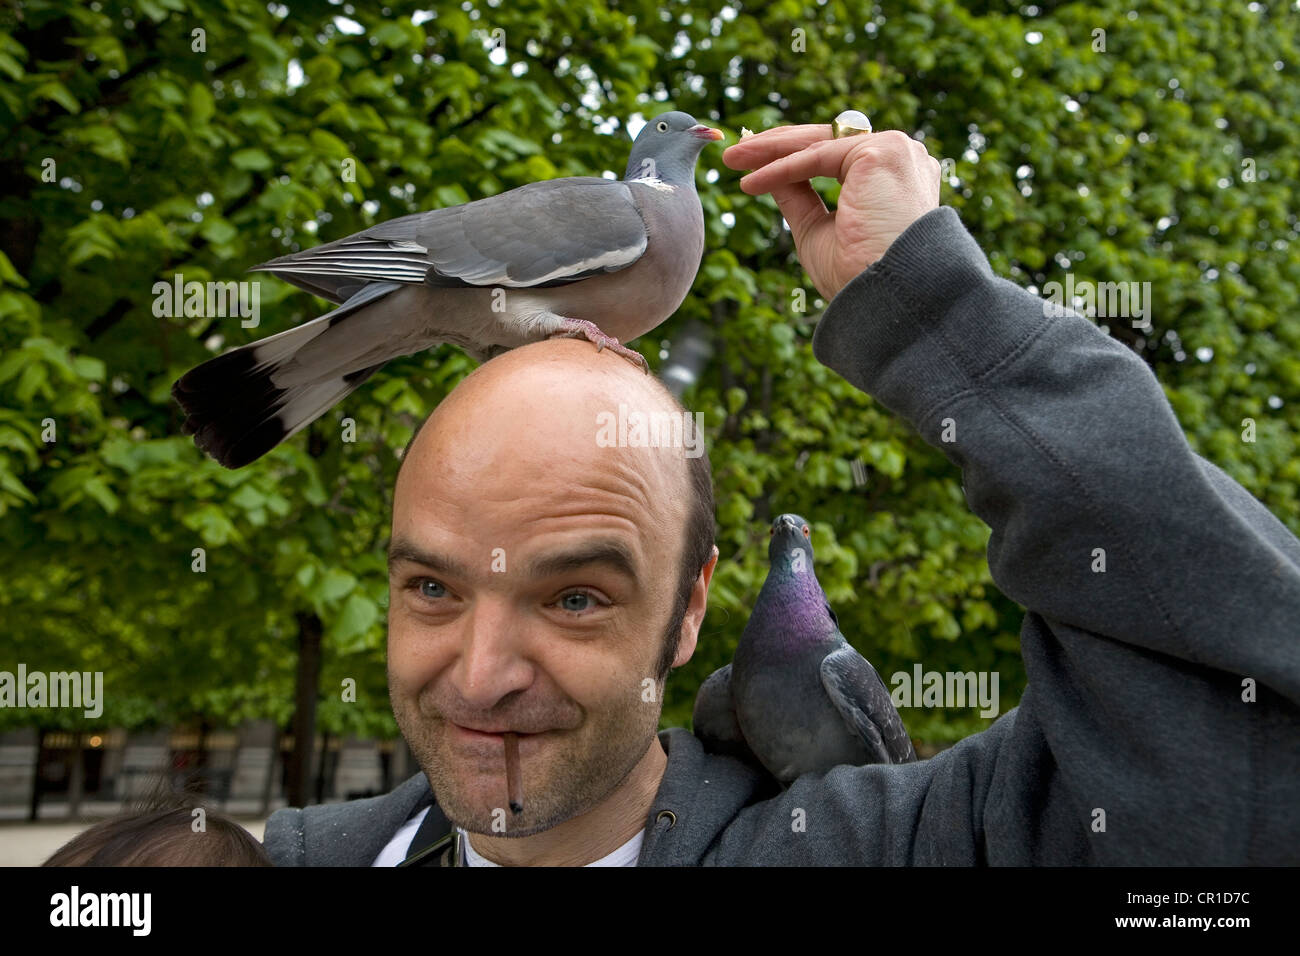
x=575 y=328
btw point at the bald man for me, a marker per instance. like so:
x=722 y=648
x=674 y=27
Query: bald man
x=544 y=580
x=539 y=580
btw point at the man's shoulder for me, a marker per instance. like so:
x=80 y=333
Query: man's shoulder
x=700 y=795
x=343 y=834
x=718 y=811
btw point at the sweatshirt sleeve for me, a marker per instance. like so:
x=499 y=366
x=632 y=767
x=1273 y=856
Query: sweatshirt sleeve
x=283 y=837
x=1161 y=723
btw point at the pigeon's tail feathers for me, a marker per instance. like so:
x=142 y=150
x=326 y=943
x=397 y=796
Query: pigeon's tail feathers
x=237 y=414
x=236 y=409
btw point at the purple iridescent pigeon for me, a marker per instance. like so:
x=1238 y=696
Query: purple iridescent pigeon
x=797 y=698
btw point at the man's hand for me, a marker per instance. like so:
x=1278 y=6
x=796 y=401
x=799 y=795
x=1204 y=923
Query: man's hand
x=889 y=180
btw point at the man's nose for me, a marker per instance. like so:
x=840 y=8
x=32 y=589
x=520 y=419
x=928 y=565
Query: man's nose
x=493 y=660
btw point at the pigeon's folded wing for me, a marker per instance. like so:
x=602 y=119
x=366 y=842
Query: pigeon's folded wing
x=539 y=235
x=860 y=696
x=714 y=718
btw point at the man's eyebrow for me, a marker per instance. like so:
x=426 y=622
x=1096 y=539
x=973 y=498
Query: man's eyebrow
x=610 y=553
x=402 y=551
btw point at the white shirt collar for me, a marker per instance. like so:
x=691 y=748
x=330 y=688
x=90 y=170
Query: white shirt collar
x=394 y=852
x=625 y=855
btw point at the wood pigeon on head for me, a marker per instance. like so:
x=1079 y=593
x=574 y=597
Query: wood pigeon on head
x=603 y=259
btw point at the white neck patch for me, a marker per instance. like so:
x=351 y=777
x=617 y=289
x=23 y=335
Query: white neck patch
x=654 y=184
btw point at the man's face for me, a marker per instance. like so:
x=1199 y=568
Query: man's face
x=532 y=575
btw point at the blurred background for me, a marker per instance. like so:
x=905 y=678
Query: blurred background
x=1116 y=141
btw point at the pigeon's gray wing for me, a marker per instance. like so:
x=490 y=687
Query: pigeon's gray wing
x=542 y=234
x=860 y=696
x=714 y=718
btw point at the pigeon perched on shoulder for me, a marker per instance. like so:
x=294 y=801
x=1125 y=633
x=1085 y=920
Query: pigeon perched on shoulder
x=797 y=698
x=603 y=259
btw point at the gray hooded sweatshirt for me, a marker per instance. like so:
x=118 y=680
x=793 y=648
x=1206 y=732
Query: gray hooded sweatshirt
x=1161 y=721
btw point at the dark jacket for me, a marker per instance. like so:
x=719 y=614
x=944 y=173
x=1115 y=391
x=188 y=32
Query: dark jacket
x=1161 y=722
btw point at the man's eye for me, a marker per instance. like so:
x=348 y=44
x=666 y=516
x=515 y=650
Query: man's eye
x=428 y=588
x=577 y=602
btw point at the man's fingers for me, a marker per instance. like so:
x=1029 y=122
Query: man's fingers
x=801 y=207
x=762 y=148
x=820 y=159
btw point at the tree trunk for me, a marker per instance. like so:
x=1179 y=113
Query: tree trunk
x=200 y=774
x=304 y=716
x=38 y=782
x=268 y=785
x=323 y=767
x=76 y=778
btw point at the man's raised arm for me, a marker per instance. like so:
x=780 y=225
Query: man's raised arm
x=1162 y=643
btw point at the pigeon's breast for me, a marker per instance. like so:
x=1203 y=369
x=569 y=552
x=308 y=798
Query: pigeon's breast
x=786 y=716
x=629 y=303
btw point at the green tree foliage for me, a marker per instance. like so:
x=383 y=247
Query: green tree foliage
x=200 y=137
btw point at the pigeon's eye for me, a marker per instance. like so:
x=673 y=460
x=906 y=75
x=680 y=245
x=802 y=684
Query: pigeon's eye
x=771 y=532
x=806 y=533
x=661 y=126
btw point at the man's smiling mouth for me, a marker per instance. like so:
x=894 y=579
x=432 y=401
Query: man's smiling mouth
x=491 y=731
x=469 y=735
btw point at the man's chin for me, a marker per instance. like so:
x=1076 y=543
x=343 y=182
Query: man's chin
x=472 y=792
x=485 y=811
x=511 y=829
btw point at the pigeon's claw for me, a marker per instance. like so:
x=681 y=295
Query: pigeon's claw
x=632 y=355
x=581 y=328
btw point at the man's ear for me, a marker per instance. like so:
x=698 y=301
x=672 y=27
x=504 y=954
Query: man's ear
x=694 y=618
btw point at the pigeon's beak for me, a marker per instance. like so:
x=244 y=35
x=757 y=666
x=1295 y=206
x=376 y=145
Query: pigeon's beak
x=706 y=132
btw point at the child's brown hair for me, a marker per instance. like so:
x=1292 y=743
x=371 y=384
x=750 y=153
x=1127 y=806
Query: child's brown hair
x=160 y=832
